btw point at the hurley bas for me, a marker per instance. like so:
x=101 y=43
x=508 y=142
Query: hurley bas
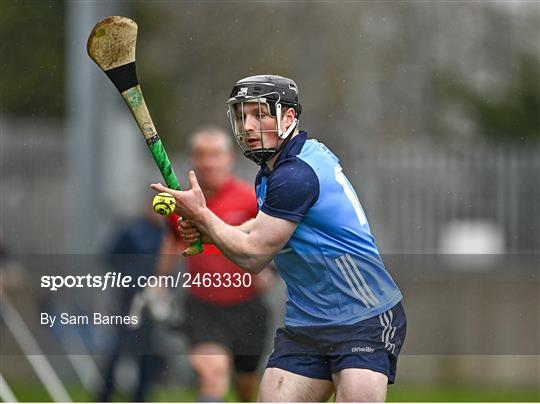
x=96 y=319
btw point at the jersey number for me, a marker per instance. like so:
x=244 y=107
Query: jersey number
x=342 y=180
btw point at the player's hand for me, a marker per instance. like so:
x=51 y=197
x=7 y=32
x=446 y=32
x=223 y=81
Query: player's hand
x=190 y=204
x=187 y=230
x=189 y=233
x=264 y=280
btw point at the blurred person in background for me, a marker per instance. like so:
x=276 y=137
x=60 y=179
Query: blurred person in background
x=10 y=270
x=226 y=326
x=344 y=322
x=133 y=251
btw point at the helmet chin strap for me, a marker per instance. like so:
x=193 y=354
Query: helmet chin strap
x=285 y=136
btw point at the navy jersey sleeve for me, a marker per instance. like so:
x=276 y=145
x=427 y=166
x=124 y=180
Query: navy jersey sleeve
x=291 y=190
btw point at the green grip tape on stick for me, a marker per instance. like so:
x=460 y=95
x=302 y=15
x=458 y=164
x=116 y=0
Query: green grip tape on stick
x=165 y=167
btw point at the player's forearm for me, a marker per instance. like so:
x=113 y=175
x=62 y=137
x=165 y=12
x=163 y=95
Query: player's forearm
x=206 y=239
x=244 y=228
x=234 y=242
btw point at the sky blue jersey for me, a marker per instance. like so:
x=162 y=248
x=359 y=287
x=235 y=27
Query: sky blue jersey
x=331 y=265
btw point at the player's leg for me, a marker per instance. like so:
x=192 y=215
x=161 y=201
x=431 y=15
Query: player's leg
x=246 y=377
x=278 y=385
x=365 y=359
x=360 y=385
x=296 y=371
x=210 y=342
x=108 y=386
x=250 y=321
x=211 y=362
x=247 y=384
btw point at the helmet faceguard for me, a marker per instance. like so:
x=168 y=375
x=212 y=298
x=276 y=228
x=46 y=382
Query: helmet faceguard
x=272 y=92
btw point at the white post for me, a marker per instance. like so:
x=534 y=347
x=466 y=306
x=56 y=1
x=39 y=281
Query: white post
x=6 y=394
x=33 y=352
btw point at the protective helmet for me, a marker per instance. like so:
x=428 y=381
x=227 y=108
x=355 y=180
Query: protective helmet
x=272 y=91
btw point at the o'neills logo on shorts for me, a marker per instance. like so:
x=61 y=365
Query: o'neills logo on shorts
x=366 y=349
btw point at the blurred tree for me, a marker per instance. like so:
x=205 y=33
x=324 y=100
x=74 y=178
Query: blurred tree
x=32 y=78
x=512 y=114
x=363 y=67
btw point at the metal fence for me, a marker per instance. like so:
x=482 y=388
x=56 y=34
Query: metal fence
x=413 y=193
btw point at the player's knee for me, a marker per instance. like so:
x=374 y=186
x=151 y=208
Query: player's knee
x=272 y=387
x=370 y=396
x=211 y=368
x=361 y=385
x=246 y=386
x=213 y=381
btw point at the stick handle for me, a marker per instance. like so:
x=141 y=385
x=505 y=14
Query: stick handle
x=138 y=108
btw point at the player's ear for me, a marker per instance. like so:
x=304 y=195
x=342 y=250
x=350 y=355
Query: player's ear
x=289 y=116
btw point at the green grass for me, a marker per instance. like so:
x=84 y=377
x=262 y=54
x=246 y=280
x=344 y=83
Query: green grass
x=408 y=393
x=397 y=393
x=36 y=393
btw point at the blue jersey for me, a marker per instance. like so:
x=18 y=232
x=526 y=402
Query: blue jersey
x=331 y=265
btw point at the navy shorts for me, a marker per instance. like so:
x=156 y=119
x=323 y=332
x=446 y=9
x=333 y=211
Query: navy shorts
x=318 y=352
